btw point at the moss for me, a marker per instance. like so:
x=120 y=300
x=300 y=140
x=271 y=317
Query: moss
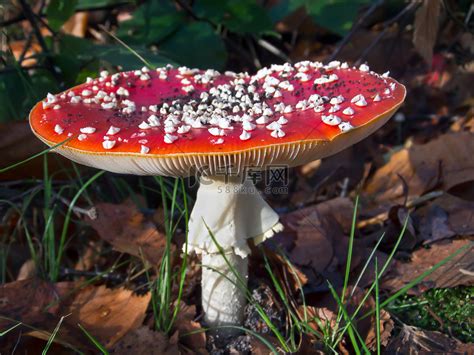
x=449 y=310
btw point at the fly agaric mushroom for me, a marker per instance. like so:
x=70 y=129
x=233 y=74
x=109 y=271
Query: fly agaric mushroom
x=179 y=121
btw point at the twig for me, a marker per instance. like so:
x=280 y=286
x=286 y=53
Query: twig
x=255 y=60
x=90 y=212
x=239 y=49
x=466 y=272
x=31 y=18
x=272 y=49
x=355 y=28
x=435 y=316
x=10 y=69
x=26 y=47
x=344 y=187
x=188 y=9
x=13 y=21
x=100 y=274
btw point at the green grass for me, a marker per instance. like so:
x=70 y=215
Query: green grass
x=454 y=307
x=164 y=305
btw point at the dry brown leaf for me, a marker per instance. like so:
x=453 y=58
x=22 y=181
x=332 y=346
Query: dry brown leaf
x=426 y=28
x=463 y=124
x=435 y=226
x=89 y=257
x=30 y=308
x=311 y=346
x=143 y=340
x=444 y=162
x=108 y=314
x=313 y=246
x=313 y=315
x=386 y=327
x=76 y=25
x=259 y=348
x=284 y=271
x=35 y=303
x=125 y=228
x=414 y=341
x=27 y=270
x=446 y=217
x=18 y=48
x=449 y=275
x=319 y=242
x=192 y=337
x=460 y=213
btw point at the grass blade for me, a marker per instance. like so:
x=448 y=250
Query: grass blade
x=53 y=335
x=13 y=166
x=351 y=330
x=5 y=332
x=67 y=219
x=93 y=340
x=349 y=252
x=377 y=306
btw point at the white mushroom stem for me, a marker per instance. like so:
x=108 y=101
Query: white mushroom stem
x=223 y=294
x=233 y=210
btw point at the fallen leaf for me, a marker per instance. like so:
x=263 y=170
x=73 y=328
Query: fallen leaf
x=18 y=48
x=318 y=318
x=413 y=341
x=339 y=209
x=291 y=275
x=445 y=162
x=143 y=340
x=31 y=307
x=449 y=275
x=463 y=124
x=435 y=225
x=386 y=327
x=107 y=314
x=27 y=270
x=36 y=304
x=313 y=246
x=192 y=337
x=76 y=25
x=426 y=28
x=125 y=228
x=311 y=346
x=89 y=257
x=397 y=217
x=458 y=216
x=260 y=348
x=320 y=244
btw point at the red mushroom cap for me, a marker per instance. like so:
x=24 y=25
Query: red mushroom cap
x=175 y=121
